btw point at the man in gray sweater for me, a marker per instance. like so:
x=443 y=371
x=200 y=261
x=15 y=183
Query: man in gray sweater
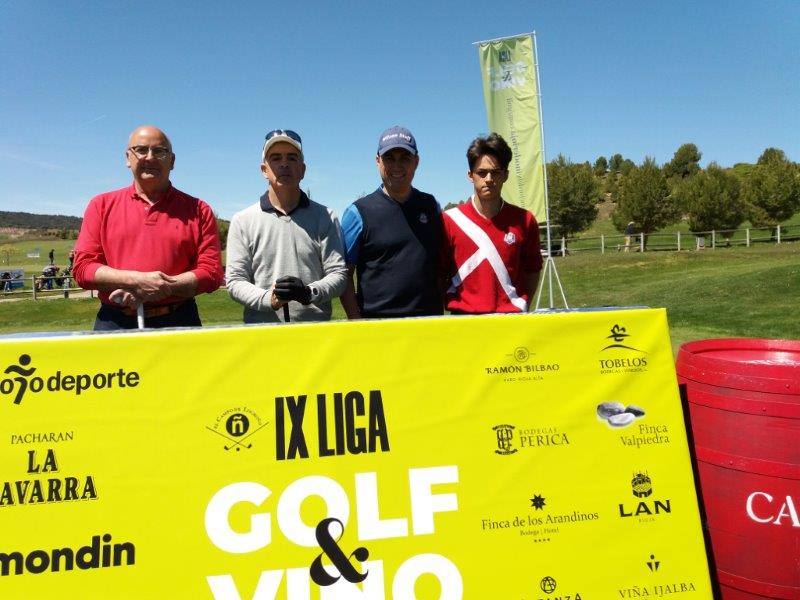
x=285 y=248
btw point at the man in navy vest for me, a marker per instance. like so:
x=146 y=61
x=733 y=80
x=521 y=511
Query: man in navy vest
x=392 y=239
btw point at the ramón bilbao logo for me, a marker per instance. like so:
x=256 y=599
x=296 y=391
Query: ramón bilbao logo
x=23 y=379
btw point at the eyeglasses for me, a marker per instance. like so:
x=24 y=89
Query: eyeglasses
x=159 y=152
x=484 y=173
x=287 y=132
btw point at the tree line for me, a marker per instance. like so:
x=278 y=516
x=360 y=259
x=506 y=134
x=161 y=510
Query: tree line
x=653 y=196
x=23 y=220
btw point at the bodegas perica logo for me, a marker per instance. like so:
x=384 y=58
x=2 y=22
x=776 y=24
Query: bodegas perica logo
x=509 y=439
x=23 y=378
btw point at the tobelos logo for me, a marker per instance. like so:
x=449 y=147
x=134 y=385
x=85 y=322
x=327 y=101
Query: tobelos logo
x=25 y=381
x=331 y=549
x=617 y=336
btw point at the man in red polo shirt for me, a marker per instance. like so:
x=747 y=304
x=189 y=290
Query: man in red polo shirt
x=148 y=244
x=491 y=248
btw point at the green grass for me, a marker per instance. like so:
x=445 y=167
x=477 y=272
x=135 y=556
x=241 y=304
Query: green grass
x=737 y=292
x=747 y=292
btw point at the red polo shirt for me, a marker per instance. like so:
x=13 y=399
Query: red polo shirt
x=176 y=234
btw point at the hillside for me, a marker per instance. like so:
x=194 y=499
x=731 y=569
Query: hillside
x=23 y=220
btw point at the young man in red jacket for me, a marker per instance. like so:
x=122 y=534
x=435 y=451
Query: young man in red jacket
x=491 y=248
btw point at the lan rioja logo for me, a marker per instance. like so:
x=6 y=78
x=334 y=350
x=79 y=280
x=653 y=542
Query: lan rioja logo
x=647 y=507
x=641 y=485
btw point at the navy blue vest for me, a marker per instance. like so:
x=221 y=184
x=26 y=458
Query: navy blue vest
x=398 y=261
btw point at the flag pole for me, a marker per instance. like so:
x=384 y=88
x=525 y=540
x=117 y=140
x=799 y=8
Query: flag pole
x=549 y=271
x=549 y=265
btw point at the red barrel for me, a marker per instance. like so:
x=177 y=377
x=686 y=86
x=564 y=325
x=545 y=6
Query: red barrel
x=744 y=410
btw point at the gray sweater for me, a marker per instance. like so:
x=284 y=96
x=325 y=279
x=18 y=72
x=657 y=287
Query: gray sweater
x=264 y=245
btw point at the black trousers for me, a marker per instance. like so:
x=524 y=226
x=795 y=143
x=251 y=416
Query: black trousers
x=110 y=318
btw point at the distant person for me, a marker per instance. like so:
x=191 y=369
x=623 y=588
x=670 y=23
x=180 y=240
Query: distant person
x=491 y=248
x=148 y=243
x=393 y=239
x=628 y=235
x=71 y=259
x=5 y=279
x=285 y=248
x=51 y=255
x=48 y=276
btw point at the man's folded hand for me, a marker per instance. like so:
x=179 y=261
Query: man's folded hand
x=290 y=288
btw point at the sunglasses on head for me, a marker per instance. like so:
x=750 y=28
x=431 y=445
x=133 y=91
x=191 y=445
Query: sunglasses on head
x=287 y=132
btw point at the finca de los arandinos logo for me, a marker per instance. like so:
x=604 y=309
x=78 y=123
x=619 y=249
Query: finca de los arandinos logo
x=24 y=380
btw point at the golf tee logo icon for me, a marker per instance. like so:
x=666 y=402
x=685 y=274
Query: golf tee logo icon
x=236 y=426
x=7 y=386
x=331 y=549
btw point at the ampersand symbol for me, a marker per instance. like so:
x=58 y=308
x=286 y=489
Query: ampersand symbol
x=331 y=549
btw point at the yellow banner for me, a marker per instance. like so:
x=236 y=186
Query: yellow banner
x=520 y=456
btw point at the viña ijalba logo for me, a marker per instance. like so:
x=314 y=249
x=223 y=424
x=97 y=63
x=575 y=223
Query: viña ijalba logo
x=25 y=379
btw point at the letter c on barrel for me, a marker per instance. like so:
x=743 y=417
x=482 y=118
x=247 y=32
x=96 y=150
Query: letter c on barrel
x=750 y=512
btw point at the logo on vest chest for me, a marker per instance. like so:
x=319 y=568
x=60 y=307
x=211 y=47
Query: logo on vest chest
x=423 y=218
x=510 y=238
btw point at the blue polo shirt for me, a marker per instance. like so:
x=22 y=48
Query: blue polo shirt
x=395 y=249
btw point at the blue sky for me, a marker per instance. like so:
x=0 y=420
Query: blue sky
x=639 y=78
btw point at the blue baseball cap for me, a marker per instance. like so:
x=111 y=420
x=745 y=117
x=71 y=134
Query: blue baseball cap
x=396 y=137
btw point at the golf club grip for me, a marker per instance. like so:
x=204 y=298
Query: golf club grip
x=286 y=318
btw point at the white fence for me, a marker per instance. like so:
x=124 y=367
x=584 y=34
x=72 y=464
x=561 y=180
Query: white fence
x=37 y=286
x=677 y=241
